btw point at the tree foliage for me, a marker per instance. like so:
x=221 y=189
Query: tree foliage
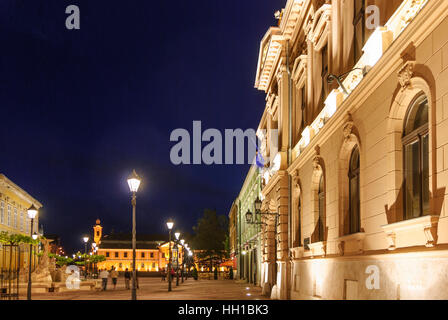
x=210 y=234
x=16 y=239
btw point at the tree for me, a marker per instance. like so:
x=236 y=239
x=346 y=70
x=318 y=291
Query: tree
x=209 y=236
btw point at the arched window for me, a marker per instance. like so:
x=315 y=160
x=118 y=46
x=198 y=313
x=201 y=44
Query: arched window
x=321 y=199
x=416 y=160
x=298 y=224
x=354 y=191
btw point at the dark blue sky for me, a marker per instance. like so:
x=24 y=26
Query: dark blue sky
x=81 y=109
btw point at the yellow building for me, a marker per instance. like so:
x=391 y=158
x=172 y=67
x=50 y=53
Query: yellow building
x=14 y=205
x=152 y=251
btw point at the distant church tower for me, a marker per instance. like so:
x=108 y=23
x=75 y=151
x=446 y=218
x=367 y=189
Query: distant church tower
x=97 y=232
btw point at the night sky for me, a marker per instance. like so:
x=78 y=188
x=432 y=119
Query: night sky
x=81 y=108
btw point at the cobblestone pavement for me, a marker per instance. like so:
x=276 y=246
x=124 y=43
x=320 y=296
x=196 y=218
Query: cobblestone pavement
x=155 y=289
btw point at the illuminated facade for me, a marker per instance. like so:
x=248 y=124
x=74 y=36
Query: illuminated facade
x=359 y=180
x=14 y=205
x=152 y=251
x=248 y=240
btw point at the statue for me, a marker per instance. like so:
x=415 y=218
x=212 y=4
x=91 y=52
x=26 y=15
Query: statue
x=42 y=273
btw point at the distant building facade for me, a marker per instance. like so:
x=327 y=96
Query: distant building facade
x=14 y=205
x=152 y=251
x=357 y=193
x=245 y=237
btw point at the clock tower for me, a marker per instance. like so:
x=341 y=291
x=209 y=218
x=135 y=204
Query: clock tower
x=97 y=232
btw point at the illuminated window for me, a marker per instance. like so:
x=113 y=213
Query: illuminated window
x=143 y=265
x=9 y=215
x=15 y=218
x=416 y=160
x=359 y=25
x=153 y=264
x=354 y=191
x=22 y=217
x=2 y=212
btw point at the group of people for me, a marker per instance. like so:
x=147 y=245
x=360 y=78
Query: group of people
x=113 y=274
x=165 y=273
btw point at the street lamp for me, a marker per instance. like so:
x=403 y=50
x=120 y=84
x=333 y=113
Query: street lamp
x=177 y=234
x=32 y=213
x=134 y=183
x=182 y=241
x=249 y=216
x=170 y=225
x=86 y=240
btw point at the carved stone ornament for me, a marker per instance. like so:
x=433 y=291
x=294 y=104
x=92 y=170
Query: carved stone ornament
x=405 y=74
x=348 y=130
x=316 y=162
x=295 y=179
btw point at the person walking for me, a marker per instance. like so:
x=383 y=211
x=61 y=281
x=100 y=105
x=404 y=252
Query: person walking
x=114 y=276
x=173 y=273
x=136 y=279
x=127 y=278
x=104 y=275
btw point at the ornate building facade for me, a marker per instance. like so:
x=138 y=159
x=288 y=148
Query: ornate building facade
x=355 y=196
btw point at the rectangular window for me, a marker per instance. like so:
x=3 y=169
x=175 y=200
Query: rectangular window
x=143 y=254
x=116 y=254
x=2 y=212
x=107 y=254
x=125 y=254
x=22 y=217
x=152 y=254
x=153 y=264
x=15 y=218
x=9 y=215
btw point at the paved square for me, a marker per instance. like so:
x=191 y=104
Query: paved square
x=155 y=289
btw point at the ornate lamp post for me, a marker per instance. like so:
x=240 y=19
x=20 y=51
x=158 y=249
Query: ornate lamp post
x=94 y=252
x=86 y=241
x=182 y=241
x=170 y=225
x=177 y=235
x=32 y=213
x=134 y=183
